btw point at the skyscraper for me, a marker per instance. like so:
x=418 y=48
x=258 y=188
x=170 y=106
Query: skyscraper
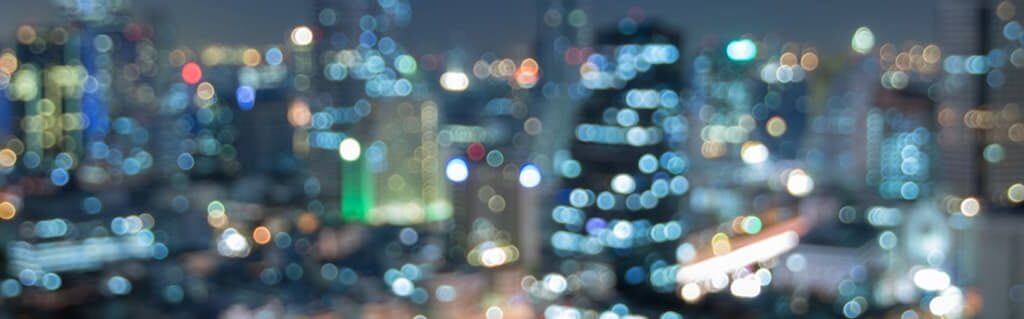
x=622 y=174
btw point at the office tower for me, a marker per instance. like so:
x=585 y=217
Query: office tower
x=622 y=177
x=962 y=33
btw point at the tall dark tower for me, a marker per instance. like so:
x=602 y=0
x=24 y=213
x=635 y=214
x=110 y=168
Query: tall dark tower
x=623 y=179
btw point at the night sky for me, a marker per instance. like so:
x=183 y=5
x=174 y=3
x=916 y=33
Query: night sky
x=507 y=27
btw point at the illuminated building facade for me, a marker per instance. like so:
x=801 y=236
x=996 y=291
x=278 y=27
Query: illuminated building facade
x=622 y=176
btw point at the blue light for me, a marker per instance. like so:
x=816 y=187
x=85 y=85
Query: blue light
x=741 y=50
x=274 y=56
x=246 y=97
x=59 y=177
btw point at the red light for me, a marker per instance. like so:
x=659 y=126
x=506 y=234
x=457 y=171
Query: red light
x=191 y=73
x=475 y=151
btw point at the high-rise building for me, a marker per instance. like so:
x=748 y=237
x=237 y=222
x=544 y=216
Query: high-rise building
x=622 y=173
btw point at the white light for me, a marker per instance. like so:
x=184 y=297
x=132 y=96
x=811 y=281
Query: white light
x=232 y=244
x=349 y=149
x=302 y=35
x=765 y=249
x=746 y=287
x=454 y=81
x=402 y=287
x=529 y=176
x=623 y=184
x=949 y=301
x=931 y=279
x=863 y=40
x=754 y=153
x=622 y=230
x=555 y=283
x=494 y=256
x=456 y=170
x=494 y=313
x=741 y=50
x=798 y=183
x=691 y=292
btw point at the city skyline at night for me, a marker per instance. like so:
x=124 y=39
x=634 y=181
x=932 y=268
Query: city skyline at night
x=554 y=159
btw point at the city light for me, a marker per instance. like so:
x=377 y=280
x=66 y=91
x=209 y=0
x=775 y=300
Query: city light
x=302 y=36
x=454 y=81
x=754 y=153
x=456 y=170
x=529 y=176
x=863 y=40
x=191 y=73
x=372 y=159
x=349 y=149
x=741 y=50
x=798 y=183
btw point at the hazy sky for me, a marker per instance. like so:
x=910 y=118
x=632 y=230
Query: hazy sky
x=507 y=26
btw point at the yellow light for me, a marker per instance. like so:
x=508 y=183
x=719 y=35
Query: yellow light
x=1015 y=193
x=8 y=158
x=7 y=210
x=349 y=149
x=8 y=63
x=302 y=35
x=454 y=81
x=720 y=244
x=691 y=292
x=776 y=126
x=251 y=57
x=205 y=91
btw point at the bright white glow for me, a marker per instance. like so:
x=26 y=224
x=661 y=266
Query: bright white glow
x=931 y=279
x=746 y=287
x=494 y=256
x=948 y=302
x=302 y=35
x=741 y=50
x=798 y=183
x=454 y=81
x=863 y=40
x=494 y=312
x=349 y=149
x=691 y=292
x=623 y=184
x=402 y=287
x=232 y=244
x=529 y=176
x=555 y=283
x=970 y=207
x=622 y=230
x=765 y=249
x=754 y=153
x=456 y=170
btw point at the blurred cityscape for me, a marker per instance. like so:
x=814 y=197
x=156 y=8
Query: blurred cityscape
x=621 y=170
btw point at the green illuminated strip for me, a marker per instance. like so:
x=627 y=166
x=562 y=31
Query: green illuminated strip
x=356 y=191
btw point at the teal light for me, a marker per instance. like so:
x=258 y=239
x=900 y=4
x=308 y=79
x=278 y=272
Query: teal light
x=741 y=50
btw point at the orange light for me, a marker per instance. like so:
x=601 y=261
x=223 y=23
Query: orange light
x=308 y=223
x=7 y=210
x=261 y=235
